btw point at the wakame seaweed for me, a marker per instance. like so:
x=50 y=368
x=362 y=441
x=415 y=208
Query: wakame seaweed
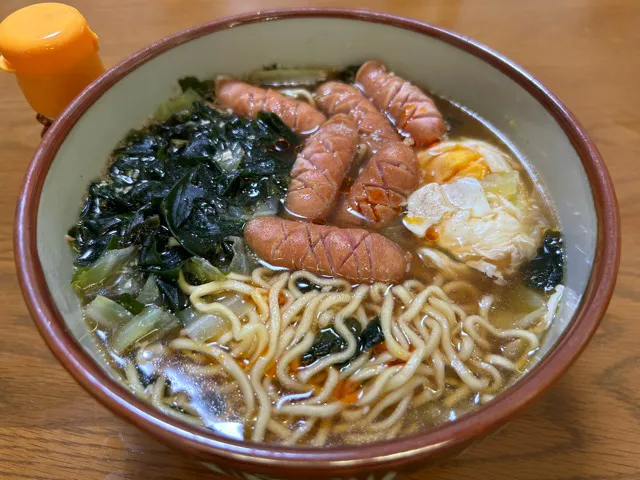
x=545 y=271
x=204 y=88
x=348 y=74
x=371 y=335
x=328 y=341
x=180 y=188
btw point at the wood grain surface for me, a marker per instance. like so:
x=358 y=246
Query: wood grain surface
x=586 y=428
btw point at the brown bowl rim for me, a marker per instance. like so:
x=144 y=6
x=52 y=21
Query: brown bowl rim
x=386 y=454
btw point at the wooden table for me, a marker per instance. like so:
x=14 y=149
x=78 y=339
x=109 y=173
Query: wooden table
x=586 y=428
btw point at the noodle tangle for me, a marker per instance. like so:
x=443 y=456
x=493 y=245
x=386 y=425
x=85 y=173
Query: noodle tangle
x=433 y=349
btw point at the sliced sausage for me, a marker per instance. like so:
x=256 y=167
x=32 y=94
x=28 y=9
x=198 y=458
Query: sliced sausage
x=320 y=168
x=380 y=191
x=373 y=127
x=412 y=110
x=354 y=254
x=247 y=100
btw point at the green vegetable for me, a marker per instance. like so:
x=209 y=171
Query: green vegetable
x=209 y=204
x=305 y=286
x=107 y=313
x=201 y=327
x=241 y=262
x=546 y=270
x=156 y=256
x=273 y=123
x=152 y=323
x=348 y=74
x=288 y=77
x=328 y=341
x=197 y=270
x=277 y=76
x=269 y=208
x=129 y=302
x=171 y=296
x=237 y=304
x=150 y=294
x=204 y=88
x=104 y=274
x=181 y=102
x=180 y=188
x=372 y=335
x=230 y=159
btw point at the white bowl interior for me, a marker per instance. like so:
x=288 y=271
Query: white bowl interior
x=446 y=70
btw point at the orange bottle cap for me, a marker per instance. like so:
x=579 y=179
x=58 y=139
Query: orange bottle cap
x=45 y=38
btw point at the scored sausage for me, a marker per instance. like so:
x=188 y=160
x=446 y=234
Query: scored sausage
x=381 y=188
x=354 y=254
x=413 y=111
x=320 y=168
x=373 y=127
x=247 y=100
x=380 y=191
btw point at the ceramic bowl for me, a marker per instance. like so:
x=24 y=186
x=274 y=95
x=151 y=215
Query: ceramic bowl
x=527 y=115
